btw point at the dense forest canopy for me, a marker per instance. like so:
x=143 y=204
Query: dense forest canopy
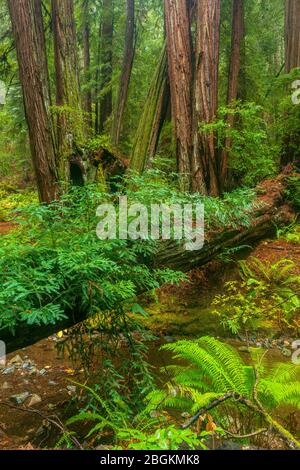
x=179 y=106
x=106 y=82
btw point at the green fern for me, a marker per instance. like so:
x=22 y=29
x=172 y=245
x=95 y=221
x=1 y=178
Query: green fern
x=215 y=369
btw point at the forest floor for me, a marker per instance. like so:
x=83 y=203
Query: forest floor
x=37 y=382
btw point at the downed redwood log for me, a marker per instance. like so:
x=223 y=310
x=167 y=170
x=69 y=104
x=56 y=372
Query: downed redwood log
x=271 y=211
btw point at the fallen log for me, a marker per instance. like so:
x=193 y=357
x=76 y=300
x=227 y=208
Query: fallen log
x=271 y=211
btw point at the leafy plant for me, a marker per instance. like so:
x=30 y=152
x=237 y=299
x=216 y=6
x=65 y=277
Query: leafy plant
x=214 y=376
x=266 y=291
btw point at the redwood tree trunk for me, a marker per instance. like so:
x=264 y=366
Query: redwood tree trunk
x=68 y=101
x=177 y=20
x=87 y=104
x=129 y=51
x=205 y=157
x=238 y=36
x=106 y=44
x=291 y=152
x=292 y=34
x=153 y=117
x=27 y=26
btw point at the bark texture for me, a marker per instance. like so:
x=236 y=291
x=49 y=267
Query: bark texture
x=292 y=34
x=205 y=159
x=28 y=32
x=68 y=100
x=237 y=40
x=178 y=33
x=104 y=108
x=87 y=102
x=291 y=152
x=128 y=59
x=152 y=119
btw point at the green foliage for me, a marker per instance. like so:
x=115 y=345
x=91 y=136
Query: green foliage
x=157 y=187
x=56 y=264
x=252 y=155
x=266 y=291
x=135 y=431
x=293 y=191
x=209 y=369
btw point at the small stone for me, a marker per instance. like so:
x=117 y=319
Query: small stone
x=286 y=352
x=34 y=400
x=21 y=398
x=51 y=382
x=17 y=360
x=71 y=388
x=8 y=370
x=169 y=339
x=244 y=349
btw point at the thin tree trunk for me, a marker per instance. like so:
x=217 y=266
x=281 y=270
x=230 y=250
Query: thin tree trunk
x=238 y=36
x=107 y=27
x=178 y=33
x=205 y=157
x=27 y=26
x=87 y=104
x=69 y=113
x=129 y=52
x=152 y=119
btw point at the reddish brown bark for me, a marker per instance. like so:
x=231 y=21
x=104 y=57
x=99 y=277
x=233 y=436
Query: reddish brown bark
x=177 y=20
x=205 y=157
x=238 y=36
x=291 y=153
x=27 y=26
x=129 y=51
x=292 y=34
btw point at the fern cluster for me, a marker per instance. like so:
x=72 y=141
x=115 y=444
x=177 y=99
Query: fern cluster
x=212 y=369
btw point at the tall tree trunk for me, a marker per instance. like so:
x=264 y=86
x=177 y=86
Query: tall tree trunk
x=68 y=100
x=129 y=51
x=87 y=103
x=28 y=31
x=106 y=41
x=238 y=36
x=177 y=21
x=205 y=157
x=152 y=119
x=291 y=153
x=292 y=34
